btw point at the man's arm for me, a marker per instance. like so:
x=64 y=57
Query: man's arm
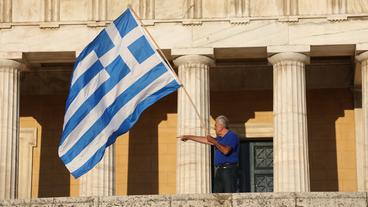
x=224 y=149
x=200 y=139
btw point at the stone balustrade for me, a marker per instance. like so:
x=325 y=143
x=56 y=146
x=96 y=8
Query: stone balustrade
x=320 y=199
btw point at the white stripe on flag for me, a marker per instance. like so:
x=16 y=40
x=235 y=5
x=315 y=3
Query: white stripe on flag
x=132 y=36
x=106 y=101
x=85 y=93
x=119 y=118
x=128 y=57
x=128 y=39
x=84 y=65
x=113 y=33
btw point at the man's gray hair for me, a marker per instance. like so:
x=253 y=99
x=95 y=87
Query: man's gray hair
x=223 y=120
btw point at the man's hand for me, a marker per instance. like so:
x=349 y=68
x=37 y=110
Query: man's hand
x=211 y=140
x=184 y=138
x=199 y=139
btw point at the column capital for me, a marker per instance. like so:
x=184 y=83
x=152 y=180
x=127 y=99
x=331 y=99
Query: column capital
x=5 y=63
x=199 y=59
x=275 y=49
x=207 y=51
x=362 y=57
x=289 y=56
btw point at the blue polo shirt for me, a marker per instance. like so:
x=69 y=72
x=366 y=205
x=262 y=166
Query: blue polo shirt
x=232 y=140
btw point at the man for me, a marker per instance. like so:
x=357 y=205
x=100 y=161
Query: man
x=226 y=155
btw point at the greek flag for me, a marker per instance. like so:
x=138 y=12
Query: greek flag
x=115 y=78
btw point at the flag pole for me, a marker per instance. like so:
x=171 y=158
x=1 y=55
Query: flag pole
x=173 y=71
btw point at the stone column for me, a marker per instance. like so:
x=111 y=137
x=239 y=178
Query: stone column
x=100 y=181
x=9 y=127
x=290 y=142
x=193 y=167
x=362 y=160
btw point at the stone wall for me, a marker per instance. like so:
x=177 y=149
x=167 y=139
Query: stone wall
x=234 y=200
x=31 y=11
x=67 y=26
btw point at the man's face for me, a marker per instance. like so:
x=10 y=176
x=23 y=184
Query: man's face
x=218 y=128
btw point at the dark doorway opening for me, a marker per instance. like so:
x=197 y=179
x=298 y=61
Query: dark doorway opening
x=256 y=166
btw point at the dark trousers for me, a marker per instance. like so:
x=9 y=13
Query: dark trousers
x=225 y=179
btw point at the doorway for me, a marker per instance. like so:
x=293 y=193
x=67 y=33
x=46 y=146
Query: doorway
x=256 y=166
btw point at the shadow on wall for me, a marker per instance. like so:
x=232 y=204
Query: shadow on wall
x=143 y=166
x=240 y=106
x=54 y=178
x=324 y=107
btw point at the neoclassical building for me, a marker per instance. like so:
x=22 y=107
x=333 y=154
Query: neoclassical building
x=291 y=75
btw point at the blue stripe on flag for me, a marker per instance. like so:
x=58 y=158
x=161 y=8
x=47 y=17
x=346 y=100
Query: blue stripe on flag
x=101 y=44
x=126 y=125
x=96 y=158
x=105 y=44
x=141 y=49
x=117 y=69
x=82 y=81
x=125 y=23
x=110 y=111
x=120 y=71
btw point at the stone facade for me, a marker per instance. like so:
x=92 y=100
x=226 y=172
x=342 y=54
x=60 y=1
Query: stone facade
x=247 y=59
